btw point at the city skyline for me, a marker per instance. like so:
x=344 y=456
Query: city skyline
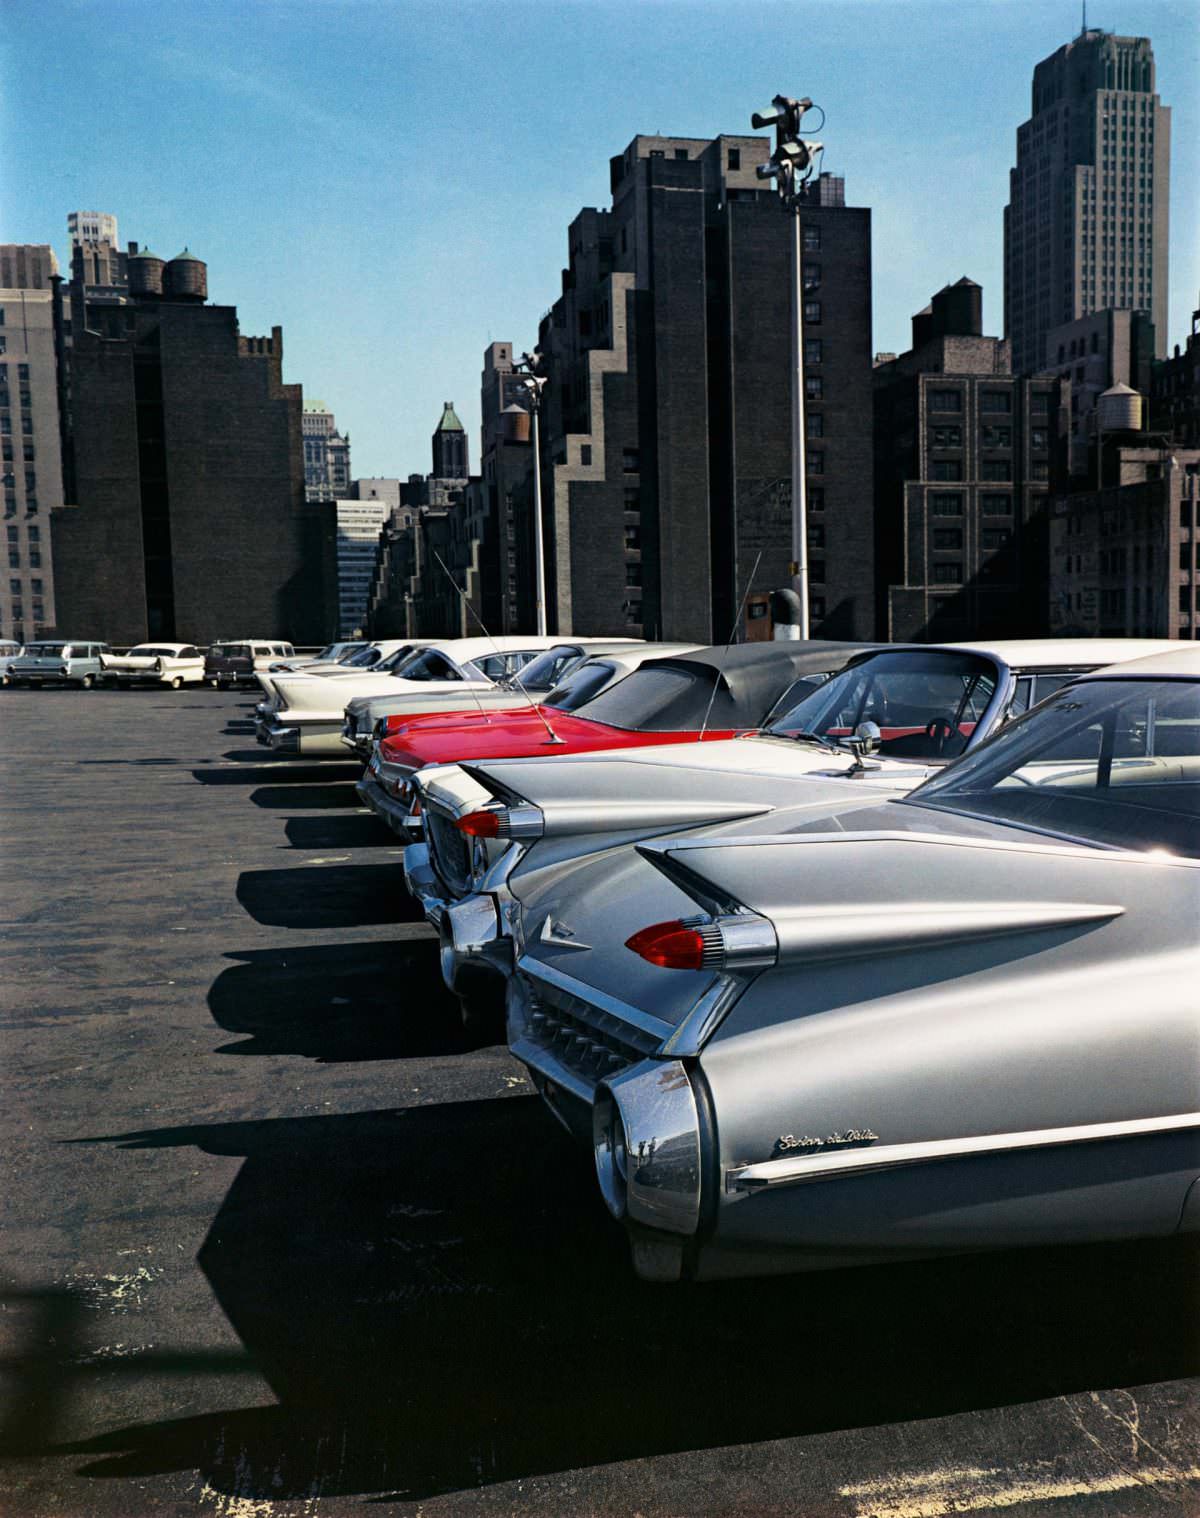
x=394 y=225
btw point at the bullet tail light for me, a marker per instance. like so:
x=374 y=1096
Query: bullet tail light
x=502 y=822
x=743 y=941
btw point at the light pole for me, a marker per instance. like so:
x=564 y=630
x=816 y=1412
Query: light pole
x=533 y=381
x=790 y=166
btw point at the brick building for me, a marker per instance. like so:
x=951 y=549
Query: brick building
x=1123 y=559
x=184 y=481
x=666 y=431
x=965 y=452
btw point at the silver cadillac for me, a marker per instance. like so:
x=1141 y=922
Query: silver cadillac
x=961 y=1019
x=889 y=720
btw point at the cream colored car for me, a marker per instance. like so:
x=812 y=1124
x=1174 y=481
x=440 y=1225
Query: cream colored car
x=173 y=664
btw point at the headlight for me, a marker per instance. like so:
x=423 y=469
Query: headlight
x=646 y=1140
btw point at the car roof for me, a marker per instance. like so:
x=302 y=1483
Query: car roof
x=1181 y=661
x=1059 y=653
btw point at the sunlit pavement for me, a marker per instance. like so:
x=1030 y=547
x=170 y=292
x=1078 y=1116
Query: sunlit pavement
x=277 y=1242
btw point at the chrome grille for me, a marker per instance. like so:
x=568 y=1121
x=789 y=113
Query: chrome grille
x=449 y=851
x=591 y=1044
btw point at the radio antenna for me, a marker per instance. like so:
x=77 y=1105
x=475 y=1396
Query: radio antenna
x=732 y=634
x=516 y=676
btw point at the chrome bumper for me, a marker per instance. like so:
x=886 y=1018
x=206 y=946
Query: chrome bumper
x=283 y=740
x=474 y=947
x=388 y=809
x=422 y=883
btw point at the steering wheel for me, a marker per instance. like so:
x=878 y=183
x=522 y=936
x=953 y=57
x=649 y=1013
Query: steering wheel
x=939 y=731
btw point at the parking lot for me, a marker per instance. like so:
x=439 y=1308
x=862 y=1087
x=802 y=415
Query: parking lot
x=279 y=1242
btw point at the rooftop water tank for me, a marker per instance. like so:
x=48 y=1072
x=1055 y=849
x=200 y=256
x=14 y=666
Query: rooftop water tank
x=145 y=273
x=1119 y=409
x=514 y=425
x=187 y=277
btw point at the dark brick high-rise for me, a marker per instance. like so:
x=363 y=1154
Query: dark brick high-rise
x=184 y=472
x=666 y=420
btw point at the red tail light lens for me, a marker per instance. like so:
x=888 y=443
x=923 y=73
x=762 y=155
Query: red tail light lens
x=479 y=824
x=669 y=944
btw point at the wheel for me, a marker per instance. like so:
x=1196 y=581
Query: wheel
x=177 y=682
x=222 y=684
x=482 y=1017
x=86 y=682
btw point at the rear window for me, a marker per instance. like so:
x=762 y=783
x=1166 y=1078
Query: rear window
x=45 y=650
x=584 y=682
x=659 y=700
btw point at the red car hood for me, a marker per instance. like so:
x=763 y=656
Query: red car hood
x=514 y=735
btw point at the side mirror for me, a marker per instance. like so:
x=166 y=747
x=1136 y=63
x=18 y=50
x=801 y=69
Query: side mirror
x=866 y=740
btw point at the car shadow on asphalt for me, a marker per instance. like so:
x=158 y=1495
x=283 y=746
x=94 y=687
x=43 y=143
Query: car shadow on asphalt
x=357 y=832
x=281 y=772
x=328 y=895
x=280 y=798
x=439 y=1301
x=337 y=1003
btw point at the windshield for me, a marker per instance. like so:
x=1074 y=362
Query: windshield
x=364 y=658
x=342 y=653
x=545 y=671
x=585 y=681
x=1113 y=762
x=926 y=702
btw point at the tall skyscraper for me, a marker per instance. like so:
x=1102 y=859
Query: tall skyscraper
x=1085 y=228
x=31 y=469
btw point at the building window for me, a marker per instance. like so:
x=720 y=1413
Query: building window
x=633 y=575
x=947 y=574
x=816 y=572
x=1039 y=470
x=630 y=461
x=946 y=503
x=947 y=539
x=997 y=437
x=1039 y=437
x=947 y=469
x=945 y=400
x=1039 y=403
x=816 y=535
x=811 y=237
x=36 y=587
x=735 y=158
x=815 y=497
x=947 y=437
x=35 y=558
x=585 y=453
x=996 y=469
x=633 y=499
x=814 y=387
x=996 y=505
x=14 y=587
x=995 y=400
x=814 y=350
x=995 y=537
x=681 y=153
x=12 y=534
x=812 y=312
x=814 y=424
x=816 y=461
x=633 y=537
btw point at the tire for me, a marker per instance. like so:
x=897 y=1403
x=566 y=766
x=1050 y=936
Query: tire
x=222 y=684
x=177 y=683
x=482 y=1019
x=86 y=682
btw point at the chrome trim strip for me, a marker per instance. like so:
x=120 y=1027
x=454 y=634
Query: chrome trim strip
x=538 y=1057
x=538 y=969
x=849 y=1163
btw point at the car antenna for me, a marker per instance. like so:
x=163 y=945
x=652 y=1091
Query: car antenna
x=533 y=705
x=729 y=645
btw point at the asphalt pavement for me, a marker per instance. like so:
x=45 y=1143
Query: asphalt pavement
x=277 y=1241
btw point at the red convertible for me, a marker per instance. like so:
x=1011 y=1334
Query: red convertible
x=708 y=694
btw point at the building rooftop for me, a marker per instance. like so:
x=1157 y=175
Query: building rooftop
x=449 y=421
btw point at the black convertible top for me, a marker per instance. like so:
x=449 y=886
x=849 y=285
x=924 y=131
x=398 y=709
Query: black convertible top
x=672 y=694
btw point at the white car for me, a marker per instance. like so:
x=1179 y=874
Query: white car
x=383 y=654
x=173 y=664
x=311 y=708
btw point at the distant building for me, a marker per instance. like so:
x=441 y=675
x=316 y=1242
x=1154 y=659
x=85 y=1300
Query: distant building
x=377 y=488
x=326 y=455
x=502 y=523
x=1175 y=391
x=1086 y=225
x=91 y=226
x=359 y=525
x=450 y=447
x=1092 y=354
x=1123 y=559
x=666 y=421
x=185 y=512
x=964 y=454
x=29 y=438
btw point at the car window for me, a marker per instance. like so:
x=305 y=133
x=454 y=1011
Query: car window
x=581 y=684
x=645 y=698
x=1113 y=762
x=546 y=670
x=428 y=664
x=926 y=703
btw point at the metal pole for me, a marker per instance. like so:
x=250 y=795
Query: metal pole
x=539 y=550
x=799 y=441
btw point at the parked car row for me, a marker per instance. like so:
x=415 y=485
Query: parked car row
x=86 y=664
x=831 y=954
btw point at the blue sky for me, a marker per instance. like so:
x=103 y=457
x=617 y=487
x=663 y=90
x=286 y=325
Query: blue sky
x=391 y=182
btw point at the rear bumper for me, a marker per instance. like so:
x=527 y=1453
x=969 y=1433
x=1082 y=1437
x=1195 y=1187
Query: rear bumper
x=422 y=882
x=280 y=740
x=387 y=808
